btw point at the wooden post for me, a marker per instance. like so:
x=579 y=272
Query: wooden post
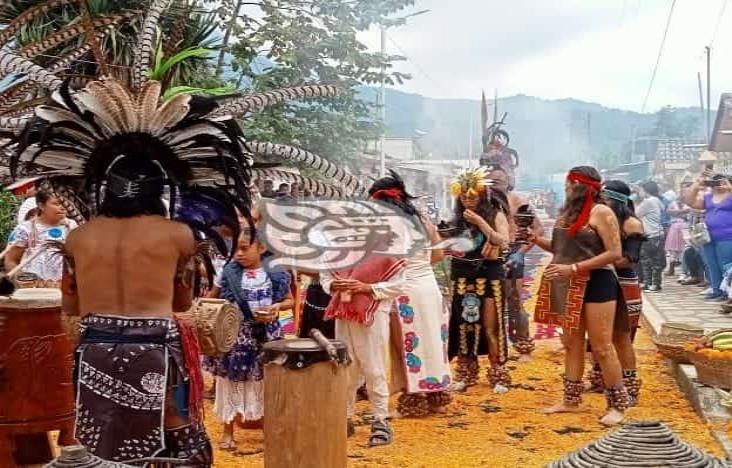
x=305 y=416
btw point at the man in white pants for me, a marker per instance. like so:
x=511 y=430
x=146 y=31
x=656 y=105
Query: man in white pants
x=365 y=329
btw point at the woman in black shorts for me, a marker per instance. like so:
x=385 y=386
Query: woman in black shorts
x=580 y=291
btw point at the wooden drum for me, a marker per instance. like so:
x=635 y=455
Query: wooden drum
x=305 y=398
x=36 y=388
x=216 y=323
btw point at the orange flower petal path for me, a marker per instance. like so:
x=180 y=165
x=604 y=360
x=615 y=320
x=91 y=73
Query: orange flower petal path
x=469 y=435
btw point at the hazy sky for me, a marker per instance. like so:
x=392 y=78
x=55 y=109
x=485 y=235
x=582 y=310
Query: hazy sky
x=595 y=50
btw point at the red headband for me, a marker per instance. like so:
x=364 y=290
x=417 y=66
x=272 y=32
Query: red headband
x=387 y=193
x=593 y=186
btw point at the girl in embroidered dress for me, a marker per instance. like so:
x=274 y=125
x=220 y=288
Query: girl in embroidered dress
x=260 y=295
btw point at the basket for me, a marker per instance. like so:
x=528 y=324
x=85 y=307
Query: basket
x=713 y=372
x=680 y=331
x=673 y=348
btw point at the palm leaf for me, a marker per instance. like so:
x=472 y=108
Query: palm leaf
x=161 y=68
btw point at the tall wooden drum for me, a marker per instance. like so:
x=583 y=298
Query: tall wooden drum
x=36 y=389
x=305 y=398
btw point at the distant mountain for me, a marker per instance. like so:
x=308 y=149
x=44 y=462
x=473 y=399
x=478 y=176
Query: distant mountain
x=549 y=135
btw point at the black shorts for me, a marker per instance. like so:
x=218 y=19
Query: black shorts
x=603 y=286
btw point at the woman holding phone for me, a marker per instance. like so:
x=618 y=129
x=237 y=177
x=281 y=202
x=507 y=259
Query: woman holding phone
x=717 y=206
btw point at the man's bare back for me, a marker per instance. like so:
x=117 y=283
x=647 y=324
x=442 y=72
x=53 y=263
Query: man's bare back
x=128 y=266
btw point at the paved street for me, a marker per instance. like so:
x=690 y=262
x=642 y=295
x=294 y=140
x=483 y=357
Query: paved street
x=677 y=303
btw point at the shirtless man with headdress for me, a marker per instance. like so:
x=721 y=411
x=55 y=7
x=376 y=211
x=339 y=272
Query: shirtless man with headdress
x=129 y=269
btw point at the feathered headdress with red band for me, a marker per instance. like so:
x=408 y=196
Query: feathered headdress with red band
x=593 y=187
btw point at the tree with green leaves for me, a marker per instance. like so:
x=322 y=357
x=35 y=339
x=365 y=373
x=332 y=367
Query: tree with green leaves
x=267 y=45
x=277 y=43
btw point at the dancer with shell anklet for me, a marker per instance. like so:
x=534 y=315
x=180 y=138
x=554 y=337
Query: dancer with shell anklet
x=580 y=292
x=477 y=324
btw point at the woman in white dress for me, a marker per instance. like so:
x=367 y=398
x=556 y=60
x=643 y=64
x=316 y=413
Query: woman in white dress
x=419 y=325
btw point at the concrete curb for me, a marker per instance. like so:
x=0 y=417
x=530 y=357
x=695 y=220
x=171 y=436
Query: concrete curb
x=704 y=399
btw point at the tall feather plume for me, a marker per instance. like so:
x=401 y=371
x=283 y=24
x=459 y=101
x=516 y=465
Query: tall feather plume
x=256 y=102
x=8 y=33
x=311 y=160
x=147 y=105
x=316 y=187
x=67 y=33
x=12 y=63
x=14 y=123
x=146 y=44
x=91 y=36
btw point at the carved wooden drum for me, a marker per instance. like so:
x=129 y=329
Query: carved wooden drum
x=36 y=387
x=216 y=323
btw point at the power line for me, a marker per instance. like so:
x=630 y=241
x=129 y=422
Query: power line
x=719 y=21
x=418 y=67
x=658 y=58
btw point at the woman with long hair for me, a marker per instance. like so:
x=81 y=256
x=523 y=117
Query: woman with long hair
x=420 y=368
x=580 y=292
x=617 y=194
x=477 y=324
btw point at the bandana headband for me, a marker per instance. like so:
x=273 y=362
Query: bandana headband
x=617 y=196
x=388 y=193
x=593 y=186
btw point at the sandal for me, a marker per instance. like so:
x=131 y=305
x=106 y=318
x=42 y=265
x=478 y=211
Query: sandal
x=229 y=446
x=381 y=434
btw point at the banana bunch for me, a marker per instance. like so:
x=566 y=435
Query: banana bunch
x=722 y=340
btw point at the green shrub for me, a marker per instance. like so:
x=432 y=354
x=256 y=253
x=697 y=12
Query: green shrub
x=9 y=205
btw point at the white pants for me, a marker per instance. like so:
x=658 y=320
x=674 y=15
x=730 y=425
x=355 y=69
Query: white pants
x=367 y=346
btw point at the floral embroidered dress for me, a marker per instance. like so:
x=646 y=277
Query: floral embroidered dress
x=239 y=373
x=423 y=328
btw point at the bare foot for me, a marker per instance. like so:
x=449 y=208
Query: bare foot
x=395 y=415
x=524 y=358
x=438 y=409
x=562 y=408
x=612 y=418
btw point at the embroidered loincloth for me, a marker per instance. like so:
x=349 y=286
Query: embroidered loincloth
x=126 y=368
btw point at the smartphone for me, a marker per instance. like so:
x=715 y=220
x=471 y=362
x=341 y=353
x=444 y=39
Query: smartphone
x=710 y=167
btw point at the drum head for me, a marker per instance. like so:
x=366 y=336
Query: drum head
x=32 y=298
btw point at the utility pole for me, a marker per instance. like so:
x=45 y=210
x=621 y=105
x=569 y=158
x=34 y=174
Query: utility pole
x=701 y=106
x=382 y=171
x=709 y=93
x=470 y=139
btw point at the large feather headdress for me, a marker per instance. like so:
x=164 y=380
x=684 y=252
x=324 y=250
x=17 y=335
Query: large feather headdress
x=75 y=138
